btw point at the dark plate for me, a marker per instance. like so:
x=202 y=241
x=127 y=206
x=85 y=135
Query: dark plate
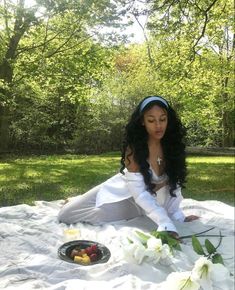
x=65 y=250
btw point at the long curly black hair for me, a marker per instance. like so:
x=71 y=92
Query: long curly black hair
x=173 y=145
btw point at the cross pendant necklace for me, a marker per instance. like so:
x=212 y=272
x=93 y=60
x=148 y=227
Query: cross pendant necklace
x=159 y=160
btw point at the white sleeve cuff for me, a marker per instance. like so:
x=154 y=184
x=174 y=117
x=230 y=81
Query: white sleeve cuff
x=148 y=202
x=167 y=227
x=161 y=218
x=178 y=216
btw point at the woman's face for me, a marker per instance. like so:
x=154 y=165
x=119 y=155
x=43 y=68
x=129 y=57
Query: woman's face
x=155 y=122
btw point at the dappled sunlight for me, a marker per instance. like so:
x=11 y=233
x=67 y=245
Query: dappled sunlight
x=204 y=178
x=23 y=185
x=32 y=173
x=58 y=177
x=211 y=159
x=210 y=177
x=53 y=177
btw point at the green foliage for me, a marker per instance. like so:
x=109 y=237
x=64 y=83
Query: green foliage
x=197 y=246
x=166 y=238
x=63 y=87
x=217 y=259
x=143 y=237
x=197 y=62
x=51 y=63
x=211 y=249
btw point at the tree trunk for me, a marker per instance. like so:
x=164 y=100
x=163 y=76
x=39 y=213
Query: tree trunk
x=227 y=126
x=6 y=74
x=227 y=130
x=4 y=129
x=21 y=25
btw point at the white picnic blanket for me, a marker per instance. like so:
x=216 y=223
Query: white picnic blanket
x=31 y=235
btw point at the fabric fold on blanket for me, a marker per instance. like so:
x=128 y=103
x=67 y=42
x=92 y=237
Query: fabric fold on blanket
x=31 y=235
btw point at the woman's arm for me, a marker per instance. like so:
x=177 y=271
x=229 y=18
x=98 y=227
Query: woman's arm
x=142 y=197
x=173 y=208
x=147 y=202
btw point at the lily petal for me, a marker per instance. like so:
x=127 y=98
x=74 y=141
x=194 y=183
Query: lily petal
x=219 y=273
x=181 y=281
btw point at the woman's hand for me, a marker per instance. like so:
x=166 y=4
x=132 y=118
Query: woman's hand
x=174 y=235
x=191 y=218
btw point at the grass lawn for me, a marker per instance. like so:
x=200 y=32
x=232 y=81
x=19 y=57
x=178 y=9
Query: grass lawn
x=26 y=179
x=210 y=178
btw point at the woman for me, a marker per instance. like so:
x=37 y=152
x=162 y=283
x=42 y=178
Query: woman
x=152 y=174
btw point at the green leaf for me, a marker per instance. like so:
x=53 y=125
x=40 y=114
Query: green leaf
x=142 y=236
x=129 y=240
x=161 y=235
x=173 y=243
x=197 y=246
x=166 y=238
x=210 y=247
x=217 y=259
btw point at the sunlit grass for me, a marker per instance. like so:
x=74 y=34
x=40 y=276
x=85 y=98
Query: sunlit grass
x=210 y=177
x=211 y=159
x=26 y=179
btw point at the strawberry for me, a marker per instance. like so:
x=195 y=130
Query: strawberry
x=88 y=251
x=93 y=257
x=94 y=248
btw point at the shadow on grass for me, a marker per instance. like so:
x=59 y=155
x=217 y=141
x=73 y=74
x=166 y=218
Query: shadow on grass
x=25 y=182
x=210 y=181
x=58 y=177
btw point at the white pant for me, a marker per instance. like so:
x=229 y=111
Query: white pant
x=82 y=209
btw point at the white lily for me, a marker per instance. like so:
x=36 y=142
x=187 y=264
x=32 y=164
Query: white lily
x=156 y=250
x=220 y=277
x=181 y=281
x=219 y=273
x=202 y=273
x=134 y=252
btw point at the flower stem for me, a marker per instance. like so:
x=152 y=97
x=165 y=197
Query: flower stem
x=219 y=240
x=190 y=236
x=197 y=234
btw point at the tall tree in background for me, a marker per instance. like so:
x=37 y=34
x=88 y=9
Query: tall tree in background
x=201 y=35
x=64 y=82
x=49 y=28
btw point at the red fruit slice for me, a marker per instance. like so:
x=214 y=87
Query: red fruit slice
x=88 y=251
x=94 y=248
x=93 y=257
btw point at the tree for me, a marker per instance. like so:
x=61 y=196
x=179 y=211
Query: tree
x=49 y=28
x=203 y=31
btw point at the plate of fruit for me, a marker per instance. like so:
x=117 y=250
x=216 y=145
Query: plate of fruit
x=84 y=252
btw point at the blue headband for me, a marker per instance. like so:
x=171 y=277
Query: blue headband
x=151 y=99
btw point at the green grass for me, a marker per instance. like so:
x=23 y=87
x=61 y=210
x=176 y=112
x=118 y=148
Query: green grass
x=210 y=178
x=26 y=179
